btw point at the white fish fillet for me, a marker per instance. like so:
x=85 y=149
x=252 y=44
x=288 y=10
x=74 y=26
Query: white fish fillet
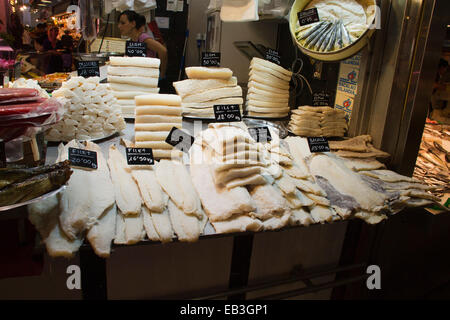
x=228 y=175
x=150 y=190
x=240 y=223
x=318 y=199
x=255 y=179
x=82 y=203
x=275 y=222
x=269 y=202
x=186 y=227
x=163 y=226
x=321 y=214
x=103 y=233
x=301 y=217
x=127 y=194
x=219 y=203
x=149 y=227
x=120 y=230
x=134 y=228
x=298 y=199
x=286 y=184
x=370 y=217
x=189 y=86
x=174 y=178
x=208 y=73
x=44 y=216
x=389 y=176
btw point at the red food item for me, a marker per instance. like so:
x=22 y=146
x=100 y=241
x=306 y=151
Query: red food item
x=11 y=109
x=19 y=100
x=14 y=93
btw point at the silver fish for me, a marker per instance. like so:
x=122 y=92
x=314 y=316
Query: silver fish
x=325 y=39
x=310 y=31
x=345 y=36
x=339 y=41
x=316 y=34
x=332 y=40
x=317 y=45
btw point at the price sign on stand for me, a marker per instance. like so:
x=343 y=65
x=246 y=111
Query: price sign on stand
x=321 y=99
x=88 y=69
x=83 y=158
x=211 y=59
x=140 y=156
x=2 y=154
x=135 y=49
x=273 y=56
x=180 y=139
x=318 y=144
x=260 y=134
x=227 y=113
x=308 y=16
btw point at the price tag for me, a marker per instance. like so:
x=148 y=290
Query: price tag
x=135 y=49
x=180 y=139
x=227 y=113
x=88 y=69
x=83 y=158
x=140 y=156
x=260 y=134
x=318 y=144
x=321 y=99
x=273 y=56
x=211 y=59
x=2 y=154
x=308 y=16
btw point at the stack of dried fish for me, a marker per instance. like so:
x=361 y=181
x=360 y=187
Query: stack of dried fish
x=433 y=162
x=20 y=185
x=358 y=148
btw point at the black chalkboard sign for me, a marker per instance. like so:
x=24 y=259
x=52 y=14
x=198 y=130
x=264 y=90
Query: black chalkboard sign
x=211 y=59
x=140 y=156
x=2 y=154
x=318 y=144
x=260 y=134
x=88 y=69
x=321 y=99
x=180 y=139
x=308 y=16
x=227 y=113
x=273 y=56
x=83 y=158
x=135 y=49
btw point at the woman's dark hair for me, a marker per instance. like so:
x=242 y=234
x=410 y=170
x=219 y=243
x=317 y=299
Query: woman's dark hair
x=133 y=16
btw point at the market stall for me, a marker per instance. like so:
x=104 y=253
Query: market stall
x=217 y=158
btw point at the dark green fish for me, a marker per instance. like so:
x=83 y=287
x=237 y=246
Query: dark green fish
x=316 y=46
x=316 y=34
x=325 y=39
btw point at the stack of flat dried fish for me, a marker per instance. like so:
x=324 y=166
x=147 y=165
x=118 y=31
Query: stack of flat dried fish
x=359 y=150
x=20 y=185
x=433 y=162
x=318 y=122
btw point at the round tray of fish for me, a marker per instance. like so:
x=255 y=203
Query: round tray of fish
x=40 y=198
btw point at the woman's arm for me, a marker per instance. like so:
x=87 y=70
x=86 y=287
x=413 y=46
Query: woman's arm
x=162 y=54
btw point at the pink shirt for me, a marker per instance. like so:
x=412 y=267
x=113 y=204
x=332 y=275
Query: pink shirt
x=144 y=36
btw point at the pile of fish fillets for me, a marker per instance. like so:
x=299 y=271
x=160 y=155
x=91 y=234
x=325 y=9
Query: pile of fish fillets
x=309 y=121
x=118 y=203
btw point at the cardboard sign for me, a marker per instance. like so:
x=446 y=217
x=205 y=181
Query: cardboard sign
x=273 y=56
x=140 y=156
x=88 y=69
x=211 y=59
x=83 y=158
x=318 y=144
x=135 y=49
x=308 y=16
x=227 y=113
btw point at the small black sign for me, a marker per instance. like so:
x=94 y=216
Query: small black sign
x=260 y=134
x=308 y=16
x=273 y=56
x=135 y=49
x=140 y=156
x=321 y=99
x=211 y=59
x=88 y=69
x=227 y=113
x=318 y=144
x=83 y=158
x=2 y=154
x=180 y=139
